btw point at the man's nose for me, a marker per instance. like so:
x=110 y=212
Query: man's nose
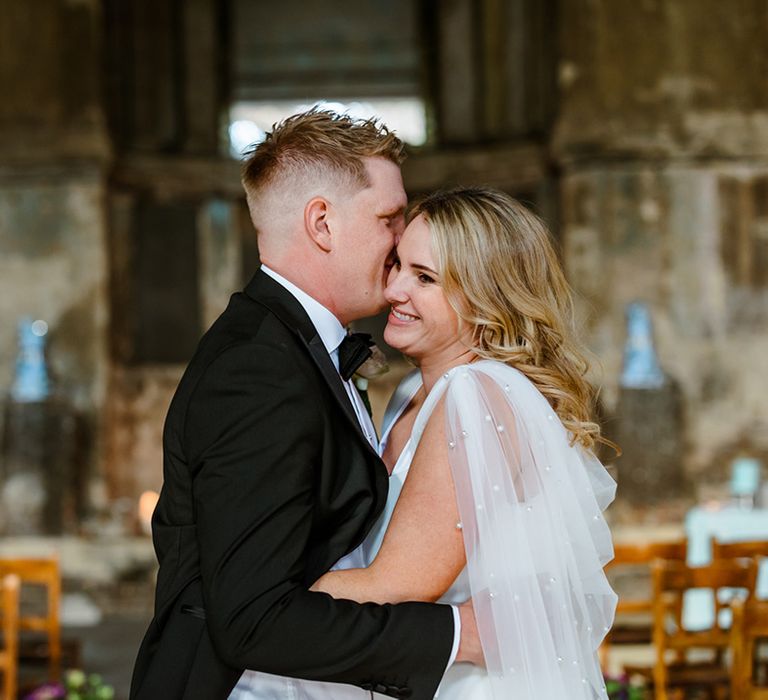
x=399 y=230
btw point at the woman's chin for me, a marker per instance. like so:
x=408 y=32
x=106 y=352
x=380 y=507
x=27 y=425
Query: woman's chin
x=390 y=337
x=394 y=337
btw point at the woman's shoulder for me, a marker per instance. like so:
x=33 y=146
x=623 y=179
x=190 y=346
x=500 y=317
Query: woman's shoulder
x=500 y=376
x=497 y=370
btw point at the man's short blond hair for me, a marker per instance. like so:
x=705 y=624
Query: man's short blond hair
x=332 y=144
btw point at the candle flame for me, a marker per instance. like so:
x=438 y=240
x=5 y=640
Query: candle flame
x=147 y=502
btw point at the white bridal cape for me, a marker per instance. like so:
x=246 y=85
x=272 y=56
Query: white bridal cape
x=536 y=541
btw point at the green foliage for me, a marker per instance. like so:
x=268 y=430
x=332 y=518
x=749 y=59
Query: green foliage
x=80 y=686
x=76 y=686
x=623 y=689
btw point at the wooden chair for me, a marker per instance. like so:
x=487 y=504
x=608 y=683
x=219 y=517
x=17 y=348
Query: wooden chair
x=670 y=582
x=41 y=572
x=750 y=623
x=754 y=549
x=9 y=627
x=624 y=630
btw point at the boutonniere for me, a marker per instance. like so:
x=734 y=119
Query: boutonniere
x=375 y=366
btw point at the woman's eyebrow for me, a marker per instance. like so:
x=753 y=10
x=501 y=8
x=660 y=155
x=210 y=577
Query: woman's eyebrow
x=424 y=268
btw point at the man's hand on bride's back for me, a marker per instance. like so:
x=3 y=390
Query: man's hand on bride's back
x=470 y=650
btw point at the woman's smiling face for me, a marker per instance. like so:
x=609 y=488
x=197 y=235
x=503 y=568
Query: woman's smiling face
x=421 y=322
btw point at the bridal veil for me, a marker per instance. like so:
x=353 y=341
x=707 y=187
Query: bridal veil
x=536 y=541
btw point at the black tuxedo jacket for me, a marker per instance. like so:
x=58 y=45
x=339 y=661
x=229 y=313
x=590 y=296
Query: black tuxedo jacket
x=268 y=481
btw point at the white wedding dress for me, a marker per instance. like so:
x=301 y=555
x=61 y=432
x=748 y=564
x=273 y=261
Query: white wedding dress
x=536 y=541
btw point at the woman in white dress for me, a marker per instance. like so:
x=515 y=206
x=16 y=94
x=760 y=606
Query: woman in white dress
x=503 y=498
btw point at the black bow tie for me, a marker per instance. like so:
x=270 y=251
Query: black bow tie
x=353 y=351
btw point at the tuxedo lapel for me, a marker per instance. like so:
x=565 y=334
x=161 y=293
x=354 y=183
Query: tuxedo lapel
x=325 y=364
x=266 y=291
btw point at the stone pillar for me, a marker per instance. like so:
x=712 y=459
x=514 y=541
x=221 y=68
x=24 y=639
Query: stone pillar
x=662 y=140
x=173 y=218
x=53 y=155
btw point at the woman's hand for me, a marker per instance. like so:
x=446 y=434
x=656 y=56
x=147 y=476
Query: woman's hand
x=470 y=650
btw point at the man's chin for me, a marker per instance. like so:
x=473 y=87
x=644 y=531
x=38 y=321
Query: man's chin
x=381 y=307
x=370 y=312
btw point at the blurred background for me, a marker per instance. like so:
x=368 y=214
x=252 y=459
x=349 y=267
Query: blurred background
x=638 y=130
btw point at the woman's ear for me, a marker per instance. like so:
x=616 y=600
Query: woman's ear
x=316 y=223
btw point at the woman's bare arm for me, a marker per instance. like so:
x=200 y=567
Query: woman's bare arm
x=423 y=550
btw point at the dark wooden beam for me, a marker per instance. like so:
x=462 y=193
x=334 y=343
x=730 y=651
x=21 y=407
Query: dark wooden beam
x=512 y=168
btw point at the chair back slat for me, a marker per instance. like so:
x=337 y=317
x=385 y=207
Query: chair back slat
x=635 y=555
x=9 y=624
x=750 y=623
x=45 y=572
x=733 y=573
x=671 y=580
x=753 y=549
x=42 y=571
x=645 y=553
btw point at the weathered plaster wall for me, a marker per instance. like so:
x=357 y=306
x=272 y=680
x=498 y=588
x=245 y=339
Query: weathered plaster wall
x=659 y=149
x=53 y=267
x=140 y=392
x=135 y=414
x=663 y=78
x=662 y=138
x=53 y=240
x=662 y=234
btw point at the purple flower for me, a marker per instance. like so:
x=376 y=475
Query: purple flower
x=49 y=691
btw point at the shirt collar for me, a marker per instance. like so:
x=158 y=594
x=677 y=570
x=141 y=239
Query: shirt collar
x=328 y=327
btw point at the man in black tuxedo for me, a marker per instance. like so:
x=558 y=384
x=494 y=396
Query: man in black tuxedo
x=270 y=471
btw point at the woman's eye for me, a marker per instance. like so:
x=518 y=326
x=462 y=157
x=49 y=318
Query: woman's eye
x=425 y=279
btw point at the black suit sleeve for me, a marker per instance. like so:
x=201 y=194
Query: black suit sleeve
x=251 y=437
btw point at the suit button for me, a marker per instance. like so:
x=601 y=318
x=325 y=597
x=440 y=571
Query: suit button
x=380 y=688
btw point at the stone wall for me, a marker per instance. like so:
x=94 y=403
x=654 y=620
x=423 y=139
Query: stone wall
x=53 y=266
x=664 y=234
x=638 y=129
x=53 y=235
x=662 y=138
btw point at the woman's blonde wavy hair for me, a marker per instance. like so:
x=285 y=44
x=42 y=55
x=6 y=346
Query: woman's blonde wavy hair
x=502 y=276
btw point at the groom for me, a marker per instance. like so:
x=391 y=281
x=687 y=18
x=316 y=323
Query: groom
x=270 y=468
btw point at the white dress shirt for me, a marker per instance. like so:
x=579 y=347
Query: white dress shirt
x=331 y=334
x=260 y=686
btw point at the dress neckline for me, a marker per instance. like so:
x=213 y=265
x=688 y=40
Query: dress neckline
x=410 y=384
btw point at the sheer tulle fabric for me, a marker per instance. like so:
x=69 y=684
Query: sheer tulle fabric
x=535 y=537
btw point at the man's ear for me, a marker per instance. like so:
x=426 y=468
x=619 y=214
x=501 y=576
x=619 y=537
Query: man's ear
x=316 y=222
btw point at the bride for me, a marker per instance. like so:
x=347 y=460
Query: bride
x=495 y=493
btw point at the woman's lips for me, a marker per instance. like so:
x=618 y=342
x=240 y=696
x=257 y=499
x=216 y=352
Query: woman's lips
x=401 y=318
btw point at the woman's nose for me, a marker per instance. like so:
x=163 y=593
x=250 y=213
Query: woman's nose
x=395 y=290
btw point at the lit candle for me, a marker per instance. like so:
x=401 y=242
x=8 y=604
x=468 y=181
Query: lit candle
x=147 y=502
